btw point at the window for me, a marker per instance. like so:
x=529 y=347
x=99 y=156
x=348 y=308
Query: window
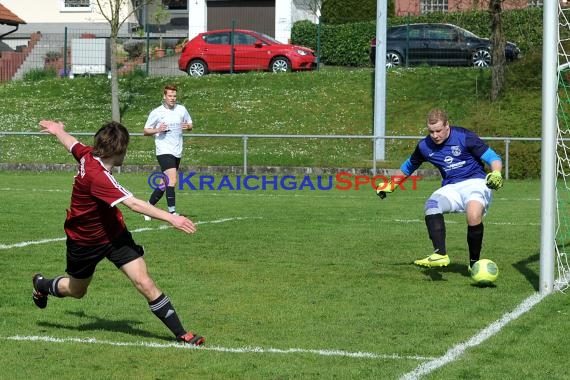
x=76 y=5
x=427 y=6
x=244 y=39
x=401 y=33
x=442 y=33
x=217 y=38
x=176 y=4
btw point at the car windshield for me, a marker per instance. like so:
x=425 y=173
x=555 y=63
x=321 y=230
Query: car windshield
x=270 y=39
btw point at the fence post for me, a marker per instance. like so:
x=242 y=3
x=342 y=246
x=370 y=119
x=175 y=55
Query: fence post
x=147 y=58
x=65 y=63
x=232 y=47
x=318 y=42
x=507 y=143
x=374 y=155
x=244 y=155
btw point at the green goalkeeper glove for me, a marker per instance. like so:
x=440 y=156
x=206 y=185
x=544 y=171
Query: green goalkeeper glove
x=389 y=188
x=494 y=180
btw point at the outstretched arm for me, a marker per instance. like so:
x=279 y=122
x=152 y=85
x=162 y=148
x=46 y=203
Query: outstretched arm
x=497 y=165
x=178 y=221
x=57 y=128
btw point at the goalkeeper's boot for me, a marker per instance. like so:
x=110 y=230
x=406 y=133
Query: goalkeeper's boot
x=39 y=298
x=434 y=260
x=191 y=338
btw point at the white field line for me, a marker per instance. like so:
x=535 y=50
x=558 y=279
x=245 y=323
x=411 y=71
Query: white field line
x=455 y=222
x=142 y=229
x=456 y=351
x=163 y=227
x=333 y=193
x=241 y=350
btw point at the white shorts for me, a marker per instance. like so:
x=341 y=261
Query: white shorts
x=459 y=194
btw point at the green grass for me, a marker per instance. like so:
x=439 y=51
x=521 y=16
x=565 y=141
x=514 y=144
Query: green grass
x=310 y=270
x=326 y=102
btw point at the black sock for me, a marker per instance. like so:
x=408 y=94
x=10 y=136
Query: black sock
x=436 y=231
x=155 y=196
x=475 y=242
x=170 y=198
x=163 y=309
x=47 y=286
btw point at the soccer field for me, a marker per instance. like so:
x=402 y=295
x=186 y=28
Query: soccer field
x=284 y=284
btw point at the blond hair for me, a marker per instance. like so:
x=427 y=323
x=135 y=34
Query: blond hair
x=436 y=115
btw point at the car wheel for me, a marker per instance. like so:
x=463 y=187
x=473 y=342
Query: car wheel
x=197 y=68
x=393 y=59
x=280 y=65
x=481 y=58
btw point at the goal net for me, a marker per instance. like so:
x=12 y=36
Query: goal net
x=562 y=246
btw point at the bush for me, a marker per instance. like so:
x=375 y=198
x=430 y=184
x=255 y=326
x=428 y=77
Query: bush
x=134 y=74
x=349 y=44
x=39 y=74
x=134 y=49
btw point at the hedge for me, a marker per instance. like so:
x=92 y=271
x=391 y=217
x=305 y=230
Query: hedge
x=349 y=44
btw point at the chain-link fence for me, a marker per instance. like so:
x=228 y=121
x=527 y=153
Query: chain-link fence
x=76 y=52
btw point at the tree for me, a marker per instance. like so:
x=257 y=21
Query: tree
x=116 y=12
x=498 y=41
x=160 y=17
x=498 y=44
x=312 y=6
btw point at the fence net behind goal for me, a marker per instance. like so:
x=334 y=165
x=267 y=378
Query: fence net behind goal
x=563 y=152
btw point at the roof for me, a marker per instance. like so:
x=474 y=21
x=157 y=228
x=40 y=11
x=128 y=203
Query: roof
x=9 y=18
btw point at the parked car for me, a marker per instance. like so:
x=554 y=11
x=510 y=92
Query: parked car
x=212 y=51
x=438 y=44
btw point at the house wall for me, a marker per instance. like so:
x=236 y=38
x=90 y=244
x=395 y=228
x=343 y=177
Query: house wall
x=287 y=12
x=49 y=16
x=412 y=7
x=39 y=14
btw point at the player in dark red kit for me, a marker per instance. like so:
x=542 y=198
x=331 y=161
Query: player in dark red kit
x=96 y=230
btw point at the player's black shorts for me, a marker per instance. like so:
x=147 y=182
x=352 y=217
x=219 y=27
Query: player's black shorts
x=168 y=161
x=82 y=260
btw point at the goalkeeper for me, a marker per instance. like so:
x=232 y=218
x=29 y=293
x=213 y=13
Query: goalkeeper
x=460 y=156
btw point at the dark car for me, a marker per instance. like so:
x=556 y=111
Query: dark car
x=438 y=44
x=242 y=50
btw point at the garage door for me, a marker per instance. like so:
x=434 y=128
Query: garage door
x=256 y=15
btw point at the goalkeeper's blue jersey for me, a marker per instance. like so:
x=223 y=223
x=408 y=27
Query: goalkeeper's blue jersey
x=458 y=158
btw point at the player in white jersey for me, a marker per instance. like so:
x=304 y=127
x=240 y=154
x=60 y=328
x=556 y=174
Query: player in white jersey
x=167 y=123
x=460 y=156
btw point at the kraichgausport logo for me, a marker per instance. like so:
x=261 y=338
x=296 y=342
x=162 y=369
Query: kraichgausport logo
x=340 y=181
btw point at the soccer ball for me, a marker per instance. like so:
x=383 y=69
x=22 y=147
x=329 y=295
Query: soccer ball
x=484 y=272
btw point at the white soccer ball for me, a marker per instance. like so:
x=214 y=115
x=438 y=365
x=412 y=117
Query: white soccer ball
x=484 y=272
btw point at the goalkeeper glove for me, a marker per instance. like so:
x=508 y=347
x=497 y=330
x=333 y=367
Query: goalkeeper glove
x=389 y=188
x=494 y=180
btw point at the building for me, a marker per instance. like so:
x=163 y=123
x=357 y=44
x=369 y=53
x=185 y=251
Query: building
x=416 y=7
x=185 y=18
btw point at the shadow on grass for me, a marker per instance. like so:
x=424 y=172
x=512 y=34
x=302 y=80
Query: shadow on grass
x=530 y=275
x=436 y=274
x=123 y=326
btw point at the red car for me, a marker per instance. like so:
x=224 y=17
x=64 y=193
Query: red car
x=242 y=50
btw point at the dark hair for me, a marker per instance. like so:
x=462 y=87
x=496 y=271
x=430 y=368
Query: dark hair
x=170 y=87
x=111 y=140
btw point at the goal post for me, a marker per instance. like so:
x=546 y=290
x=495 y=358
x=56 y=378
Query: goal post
x=555 y=150
x=548 y=150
